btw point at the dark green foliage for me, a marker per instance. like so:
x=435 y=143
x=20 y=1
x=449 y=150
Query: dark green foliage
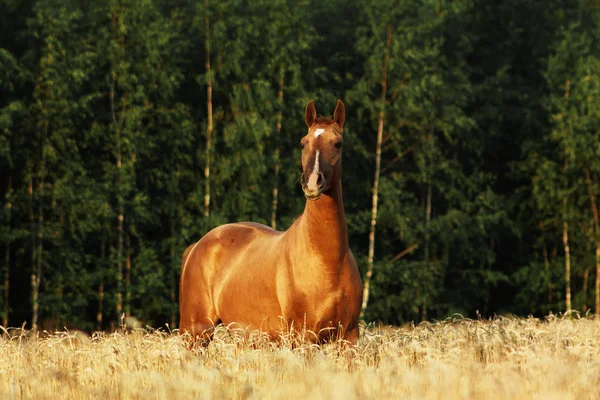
x=492 y=123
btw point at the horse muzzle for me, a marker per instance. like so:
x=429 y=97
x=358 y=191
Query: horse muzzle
x=313 y=186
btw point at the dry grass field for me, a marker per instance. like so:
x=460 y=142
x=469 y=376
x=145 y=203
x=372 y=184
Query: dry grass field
x=505 y=358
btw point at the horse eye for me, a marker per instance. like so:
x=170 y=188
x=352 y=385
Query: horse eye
x=338 y=145
x=301 y=145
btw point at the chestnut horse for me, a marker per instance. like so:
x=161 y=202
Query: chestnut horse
x=303 y=279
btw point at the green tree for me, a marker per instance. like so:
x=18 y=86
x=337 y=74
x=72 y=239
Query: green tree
x=424 y=191
x=572 y=78
x=52 y=165
x=12 y=75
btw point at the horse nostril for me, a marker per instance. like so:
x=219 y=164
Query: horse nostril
x=303 y=178
x=321 y=179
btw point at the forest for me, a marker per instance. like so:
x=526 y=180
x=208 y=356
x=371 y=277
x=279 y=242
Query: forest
x=130 y=128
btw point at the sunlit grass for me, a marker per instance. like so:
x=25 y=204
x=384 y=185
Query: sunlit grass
x=555 y=358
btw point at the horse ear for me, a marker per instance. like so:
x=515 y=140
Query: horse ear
x=339 y=115
x=311 y=114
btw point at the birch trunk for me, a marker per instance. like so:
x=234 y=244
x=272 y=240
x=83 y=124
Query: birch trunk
x=127 y=276
x=566 y=228
x=566 y=248
x=547 y=266
x=173 y=277
x=586 y=275
x=369 y=273
x=597 y=283
x=120 y=207
x=37 y=272
x=100 y=311
x=567 y=265
x=277 y=138
x=594 y=208
x=33 y=243
x=426 y=255
x=57 y=316
x=209 y=125
x=6 y=285
x=6 y=290
x=119 y=185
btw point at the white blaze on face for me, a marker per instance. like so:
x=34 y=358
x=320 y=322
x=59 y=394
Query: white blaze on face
x=316 y=166
x=312 y=184
x=319 y=131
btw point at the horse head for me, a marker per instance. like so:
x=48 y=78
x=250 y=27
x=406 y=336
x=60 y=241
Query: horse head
x=322 y=151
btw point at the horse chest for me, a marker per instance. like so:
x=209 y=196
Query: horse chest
x=318 y=310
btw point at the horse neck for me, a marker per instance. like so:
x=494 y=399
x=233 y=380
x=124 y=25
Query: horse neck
x=324 y=224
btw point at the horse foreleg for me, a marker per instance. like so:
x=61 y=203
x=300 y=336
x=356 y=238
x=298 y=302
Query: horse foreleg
x=352 y=336
x=197 y=333
x=349 y=347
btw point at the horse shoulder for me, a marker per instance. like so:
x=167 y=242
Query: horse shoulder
x=216 y=253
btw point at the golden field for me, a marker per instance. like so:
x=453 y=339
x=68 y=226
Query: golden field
x=504 y=358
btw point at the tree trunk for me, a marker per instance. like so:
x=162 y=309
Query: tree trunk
x=426 y=256
x=120 y=207
x=100 y=310
x=594 y=208
x=277 y=138
x=597 y=285
x=57 y=316
x=209 y=125
x=119 y=186
x=7 y=255
x=566 y=244
x=586 y=275
x=567 y=265
x=371 y=255
x=547 y=266
x=37 y=272
x=33 y=244
x=127 y=276
x=6 y=285
x=566 y=227
x=173 y=277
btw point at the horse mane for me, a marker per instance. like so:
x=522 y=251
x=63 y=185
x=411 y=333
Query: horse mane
x=324 y=121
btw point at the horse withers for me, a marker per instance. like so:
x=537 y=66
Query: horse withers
x=304 y=279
